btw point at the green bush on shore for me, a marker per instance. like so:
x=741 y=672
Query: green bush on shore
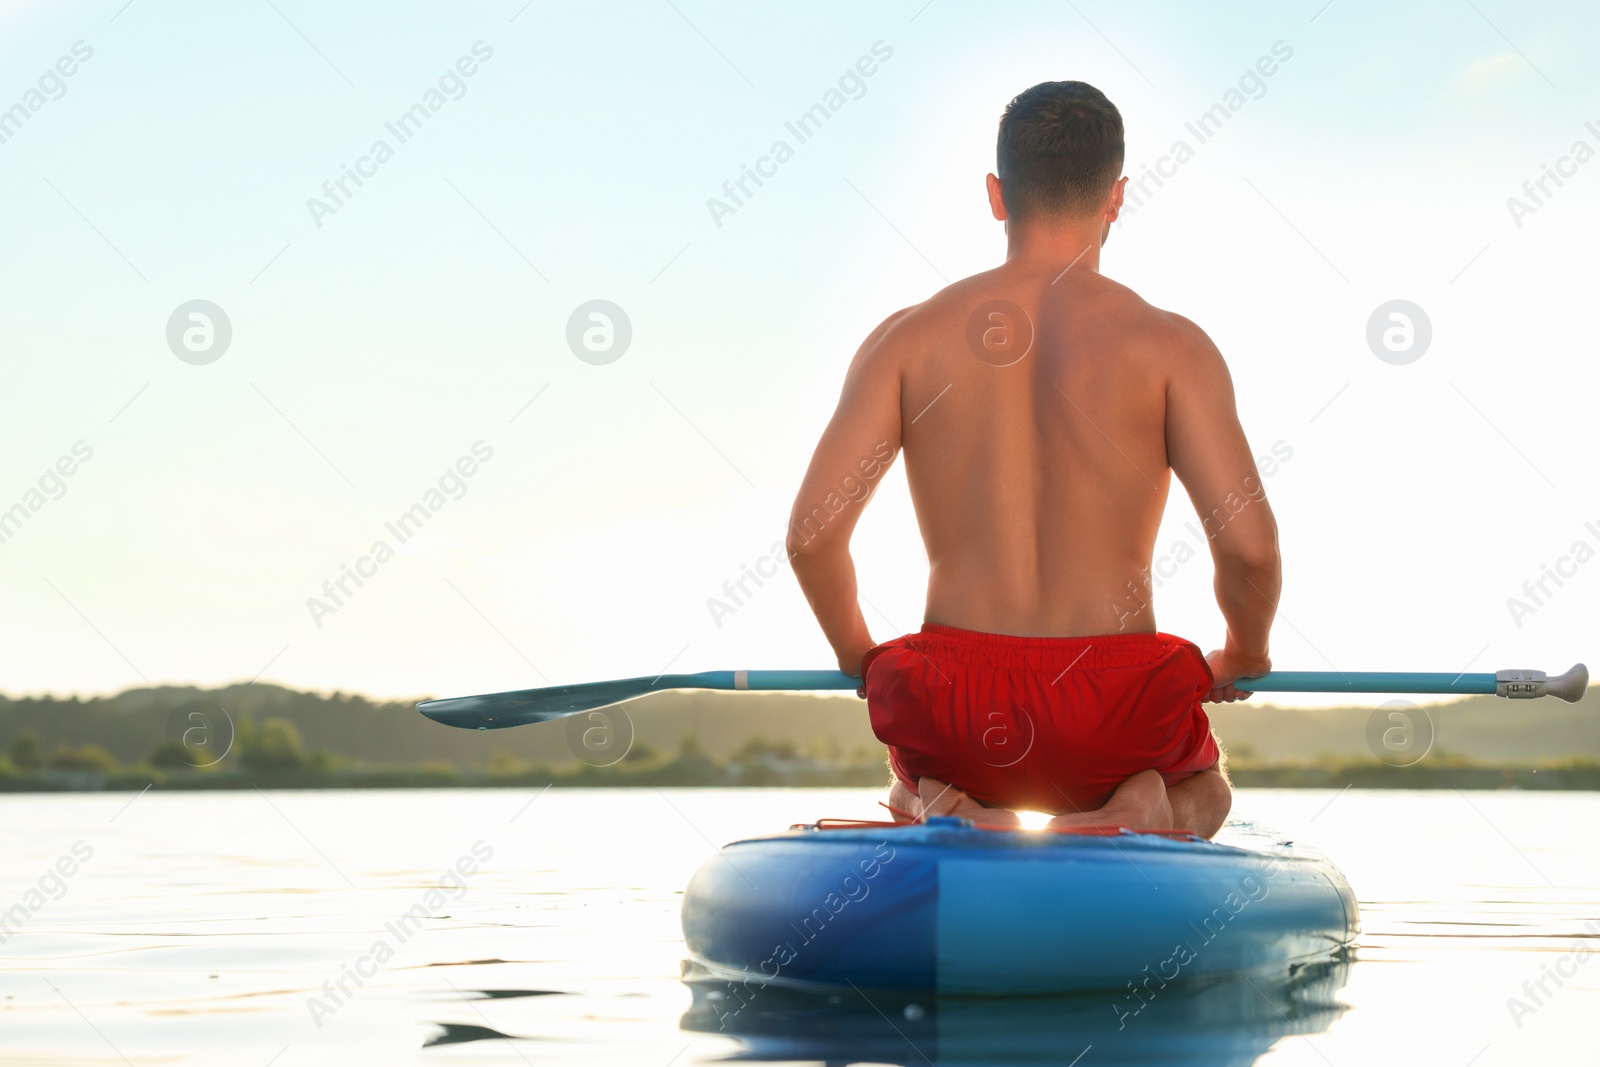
x=26 y=754
x=81 y=758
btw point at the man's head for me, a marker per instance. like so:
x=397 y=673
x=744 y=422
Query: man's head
x=1059 y=154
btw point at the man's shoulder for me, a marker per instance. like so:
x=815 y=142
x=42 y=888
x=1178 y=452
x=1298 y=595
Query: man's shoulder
x=955 y=299
x=884 y=346
x=910 y=328
x=926 y=326
x=1185 y=342
x=1141 y=317
x=1161 y=332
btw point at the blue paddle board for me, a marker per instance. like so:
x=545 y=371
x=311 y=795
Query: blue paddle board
x=949 y=908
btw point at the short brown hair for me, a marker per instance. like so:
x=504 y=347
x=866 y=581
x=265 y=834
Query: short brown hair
x=1060 y=149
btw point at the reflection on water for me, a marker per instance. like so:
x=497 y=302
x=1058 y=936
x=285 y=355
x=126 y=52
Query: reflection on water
x=1213 y=1024
x=457 y=1034
x=204 y=929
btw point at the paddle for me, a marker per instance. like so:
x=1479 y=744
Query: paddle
x=495 y=711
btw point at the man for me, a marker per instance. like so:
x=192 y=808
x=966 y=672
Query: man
x=1042 y=409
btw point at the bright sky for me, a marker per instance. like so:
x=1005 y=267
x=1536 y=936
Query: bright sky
x=376 y=340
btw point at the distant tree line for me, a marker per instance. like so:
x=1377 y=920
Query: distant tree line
x=274 y=745
x=130 y=726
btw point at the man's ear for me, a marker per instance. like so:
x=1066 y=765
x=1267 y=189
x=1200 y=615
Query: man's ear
x=1114 y=201
x=997 y=203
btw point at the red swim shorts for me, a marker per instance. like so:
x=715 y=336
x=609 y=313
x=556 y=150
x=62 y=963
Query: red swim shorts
x=1048 y=724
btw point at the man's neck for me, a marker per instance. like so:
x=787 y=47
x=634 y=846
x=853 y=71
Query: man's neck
x=1075 y=244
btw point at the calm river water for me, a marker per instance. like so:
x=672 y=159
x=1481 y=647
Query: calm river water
x=201 y=929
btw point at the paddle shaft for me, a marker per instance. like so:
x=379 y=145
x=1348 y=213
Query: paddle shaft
x=1366 y=682
x=1272 y=682
x=1514 y=684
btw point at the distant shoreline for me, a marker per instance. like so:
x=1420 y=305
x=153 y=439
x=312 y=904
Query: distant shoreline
x=265 y=737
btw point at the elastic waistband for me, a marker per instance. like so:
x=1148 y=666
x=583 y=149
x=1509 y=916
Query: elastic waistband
x=1047 y=653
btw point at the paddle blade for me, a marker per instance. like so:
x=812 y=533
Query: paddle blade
x=497 y=711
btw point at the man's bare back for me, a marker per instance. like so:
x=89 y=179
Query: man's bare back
x=1005 y=466
x=1042 y=408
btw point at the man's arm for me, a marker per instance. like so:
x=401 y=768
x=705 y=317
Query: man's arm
x=856 y=449
x=1208 y=452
